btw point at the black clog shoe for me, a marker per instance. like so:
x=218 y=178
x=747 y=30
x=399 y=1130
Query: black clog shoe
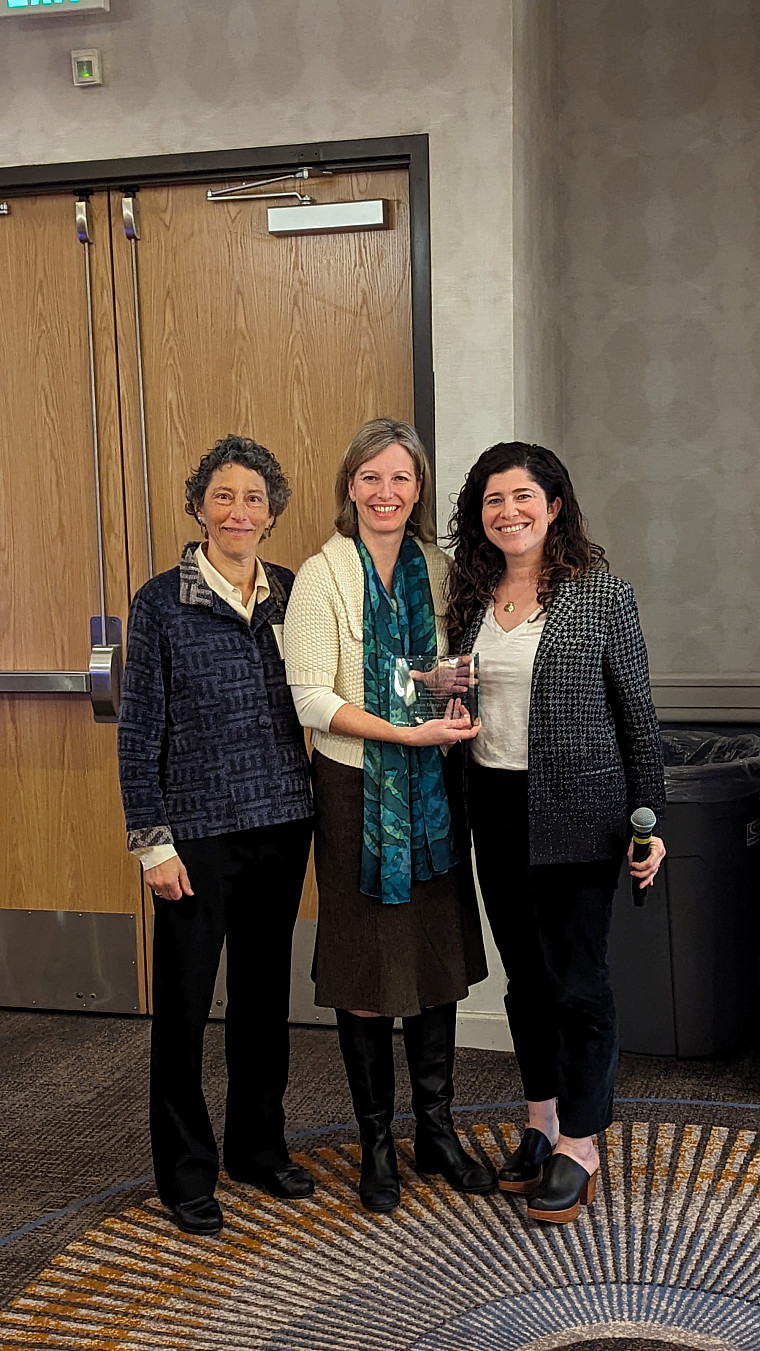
x=523 y=1169
x=565 y=1187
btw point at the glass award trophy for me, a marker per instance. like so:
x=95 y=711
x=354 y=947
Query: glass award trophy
x=429 y=687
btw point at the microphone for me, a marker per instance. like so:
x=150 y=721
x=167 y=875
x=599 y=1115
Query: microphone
x=643 y=821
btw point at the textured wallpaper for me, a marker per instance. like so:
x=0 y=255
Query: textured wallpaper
x=629 y=341
x=537 y=364
x=658 y=174
x=184 y=75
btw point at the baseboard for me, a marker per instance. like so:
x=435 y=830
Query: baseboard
x=707 y=698
x=483 y=1031
x=302 y=1006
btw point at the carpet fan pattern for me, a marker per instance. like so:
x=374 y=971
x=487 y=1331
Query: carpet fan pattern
x=670 y=1251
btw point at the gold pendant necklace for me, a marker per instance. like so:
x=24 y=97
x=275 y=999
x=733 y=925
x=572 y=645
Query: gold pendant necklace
x=509 y=606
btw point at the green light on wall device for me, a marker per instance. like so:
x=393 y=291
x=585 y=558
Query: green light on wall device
x=17 y=8
x=86 y=67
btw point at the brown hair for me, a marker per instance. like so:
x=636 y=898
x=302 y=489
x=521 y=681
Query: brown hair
x=370 y=440
x=568 y=551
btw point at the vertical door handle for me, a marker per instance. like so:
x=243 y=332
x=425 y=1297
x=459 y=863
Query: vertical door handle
x=104 y=669
x=132 y=231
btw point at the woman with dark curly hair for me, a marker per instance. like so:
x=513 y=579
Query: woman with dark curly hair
x=569 y=746
x=215 y=784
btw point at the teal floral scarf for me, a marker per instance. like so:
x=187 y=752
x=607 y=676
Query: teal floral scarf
x=407 y=827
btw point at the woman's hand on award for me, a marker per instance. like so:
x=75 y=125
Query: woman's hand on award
x=169 y=880
x=456 y=725
x=646 y=871
x=448 y=677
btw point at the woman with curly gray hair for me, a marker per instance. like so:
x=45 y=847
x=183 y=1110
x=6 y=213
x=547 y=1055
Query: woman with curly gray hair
x=215 y=784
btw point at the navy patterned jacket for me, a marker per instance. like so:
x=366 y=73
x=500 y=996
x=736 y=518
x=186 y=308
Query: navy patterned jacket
x=209 y=740
x=594 y=751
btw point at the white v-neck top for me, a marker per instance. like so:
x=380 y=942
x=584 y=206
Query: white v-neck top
x=505 y=675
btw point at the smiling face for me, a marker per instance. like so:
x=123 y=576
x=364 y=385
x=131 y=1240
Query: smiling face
x=236 y=513
x=384 y=490
x=516 y=515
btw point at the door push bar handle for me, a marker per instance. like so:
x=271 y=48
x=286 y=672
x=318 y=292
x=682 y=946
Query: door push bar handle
x=105 y=682
x=101 y=680
x=44 y=682
x=105 y=667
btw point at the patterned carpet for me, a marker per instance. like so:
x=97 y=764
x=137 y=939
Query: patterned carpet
x=667 y=1255
x=666 y=1258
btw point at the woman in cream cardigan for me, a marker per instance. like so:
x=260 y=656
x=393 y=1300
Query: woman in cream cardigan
x=398 y=932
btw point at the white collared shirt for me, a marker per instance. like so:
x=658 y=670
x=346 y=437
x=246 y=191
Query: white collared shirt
x=232 y=594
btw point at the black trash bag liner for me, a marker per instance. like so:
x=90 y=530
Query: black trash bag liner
x=703 y=766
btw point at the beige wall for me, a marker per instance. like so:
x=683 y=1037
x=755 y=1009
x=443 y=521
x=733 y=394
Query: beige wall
x=536 y=313
x=629 y=342
x=183 y=75
x=659 y=151
x=190 y=75
x=633 y=237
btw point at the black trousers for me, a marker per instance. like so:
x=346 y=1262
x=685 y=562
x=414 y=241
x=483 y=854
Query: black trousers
x=551 y=926
x=247 y=887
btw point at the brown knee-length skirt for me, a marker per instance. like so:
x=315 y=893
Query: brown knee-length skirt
x=389 y=959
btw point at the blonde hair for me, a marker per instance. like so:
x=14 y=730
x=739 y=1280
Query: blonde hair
x=370 y=440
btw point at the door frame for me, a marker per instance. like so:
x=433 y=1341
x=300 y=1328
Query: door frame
x=411 y=152
x=127 y=176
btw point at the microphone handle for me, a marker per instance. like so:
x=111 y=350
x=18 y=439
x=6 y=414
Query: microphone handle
x=640 y=852
x=641 y=848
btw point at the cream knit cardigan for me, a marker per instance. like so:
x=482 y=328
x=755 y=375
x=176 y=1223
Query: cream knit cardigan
x=324 y=630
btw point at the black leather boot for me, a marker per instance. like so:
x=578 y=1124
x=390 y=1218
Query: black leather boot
x=522 y=1171
x=367 y=1046
x=429 y=1039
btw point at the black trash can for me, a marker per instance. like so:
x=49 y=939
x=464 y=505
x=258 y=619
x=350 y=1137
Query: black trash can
x=684 y=966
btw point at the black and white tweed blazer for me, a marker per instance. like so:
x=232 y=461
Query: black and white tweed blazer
x=594 y=751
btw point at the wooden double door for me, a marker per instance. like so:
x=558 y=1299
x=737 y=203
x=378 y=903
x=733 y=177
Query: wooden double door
x=122 y=360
